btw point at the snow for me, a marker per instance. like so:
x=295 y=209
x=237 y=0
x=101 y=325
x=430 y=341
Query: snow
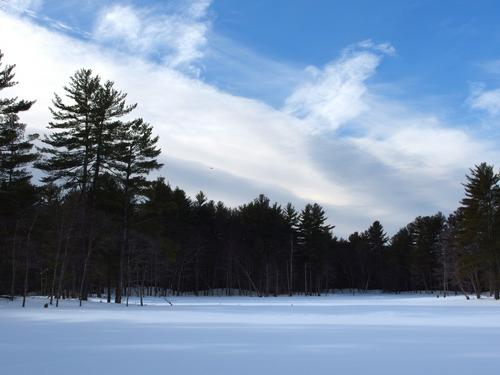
x=336 y=334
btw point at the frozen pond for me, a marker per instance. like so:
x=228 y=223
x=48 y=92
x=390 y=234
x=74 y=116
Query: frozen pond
x=337 y=334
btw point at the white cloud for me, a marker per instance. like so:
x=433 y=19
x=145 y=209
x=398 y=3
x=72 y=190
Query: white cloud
x=398 y=163
x=425 y=157
x=485 y=100
x=426 y=148
x=177 y=38
x=334 y=95
x=198 y=8
x=21 y=6
x=416 y=144
x=384 y=48
x=195 y=122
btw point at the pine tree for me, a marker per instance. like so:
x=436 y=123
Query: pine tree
x=314 y=239
x=398 y=260
x=134 y=157
x=291 y=217
x=15 y=147
x=359 y=246
x=70 y=149
x=479 y=219
x=425 y=232
x=17 y=194
x=448 y=252
x=376 y=240
x=10 y=105
x=83 y=143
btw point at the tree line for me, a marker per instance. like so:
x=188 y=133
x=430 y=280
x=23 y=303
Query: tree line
x=95 y=224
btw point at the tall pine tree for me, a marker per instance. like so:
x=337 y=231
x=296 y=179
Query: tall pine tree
x=82 y=145
x=479 y=219
x=15 y=147
x=17 y=194
x=135 y=155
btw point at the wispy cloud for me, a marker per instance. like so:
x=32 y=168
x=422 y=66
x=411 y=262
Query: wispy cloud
x=334 y=95
x=394 y=163
x=177 y=37
x=238 y=69
x=417 y=146
x=485 y=100
x=33 y=9
x=21 y=6
x=196 y=122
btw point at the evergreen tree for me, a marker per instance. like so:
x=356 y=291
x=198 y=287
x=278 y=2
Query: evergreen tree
x=291 y=217
x=10 y=105
x=151 y=238
x=70 y=150
x=15 y=151
x=479 y=219
x=83 y=143
x=264 y=235
x=363 y=268
x=314 y=239
x=398 y=262
x=448 y=253
x=17 y=195
x=134 y=157
x=425 y=233
x=376 y=240
x=15 y=147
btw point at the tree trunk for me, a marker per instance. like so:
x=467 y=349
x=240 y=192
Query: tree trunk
x=496 y=291
x=56 y=261
x=13 y=279
x=27 y=249
x=26 y=269
x=305 y=279
x=82 y=294
x=128 y=275
x=142 y=287
x=475 y=286
x=64 y=261
x=124 y=244
x=91 y=213
x=290 y=283
x=267 y=279
x=276 y=289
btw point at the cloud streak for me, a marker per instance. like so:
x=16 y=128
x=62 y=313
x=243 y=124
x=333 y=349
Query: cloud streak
x=485 y=100
x=389 y=162
x=335 y=94
x=177 y=38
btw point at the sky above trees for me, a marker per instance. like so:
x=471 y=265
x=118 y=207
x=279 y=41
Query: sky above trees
x=375 y=110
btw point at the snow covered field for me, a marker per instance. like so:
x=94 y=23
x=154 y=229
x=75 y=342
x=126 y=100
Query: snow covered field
x=339 y=334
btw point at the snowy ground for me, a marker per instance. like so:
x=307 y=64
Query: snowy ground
x=339 y=334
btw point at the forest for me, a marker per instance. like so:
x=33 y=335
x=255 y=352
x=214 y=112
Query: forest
x=97 y=225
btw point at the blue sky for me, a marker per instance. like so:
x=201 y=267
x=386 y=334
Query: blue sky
x=442 y=46
x=375 y=109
